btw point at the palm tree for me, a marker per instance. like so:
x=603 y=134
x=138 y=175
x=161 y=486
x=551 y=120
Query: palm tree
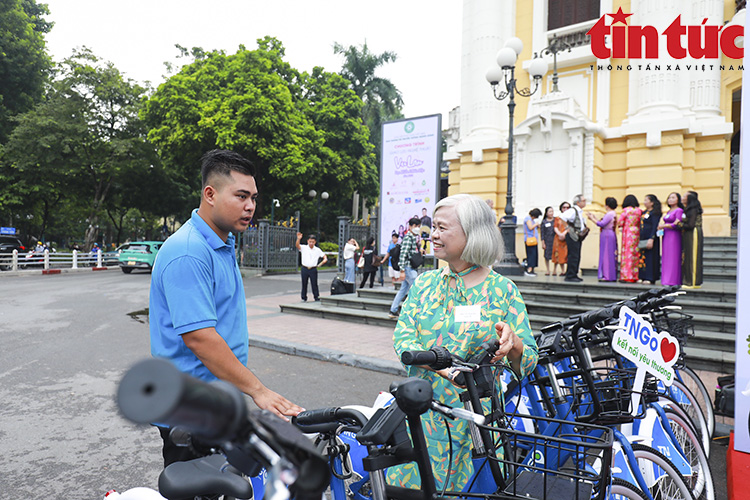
x=382 y=100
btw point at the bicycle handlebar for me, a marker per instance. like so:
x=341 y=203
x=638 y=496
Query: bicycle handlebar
x=154 y=391
x=436 y=358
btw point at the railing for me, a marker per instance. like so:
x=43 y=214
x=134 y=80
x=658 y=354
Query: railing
x=270 y=247
x=56 y=260
x=360 y=232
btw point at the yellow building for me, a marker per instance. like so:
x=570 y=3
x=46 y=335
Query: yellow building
x=617 y=126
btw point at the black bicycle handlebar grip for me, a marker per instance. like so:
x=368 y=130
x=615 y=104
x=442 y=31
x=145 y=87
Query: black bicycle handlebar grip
x=155 y=391
x=593 y=317
x=436 y=358
x=318 y=416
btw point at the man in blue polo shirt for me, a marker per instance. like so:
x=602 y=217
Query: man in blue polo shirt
x=197 y=312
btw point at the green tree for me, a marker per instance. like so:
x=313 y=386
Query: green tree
x=382 y=99
x=24 y=63
x=302 y=131
x=76 y=145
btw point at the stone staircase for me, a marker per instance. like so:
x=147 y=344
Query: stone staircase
x=549 y=299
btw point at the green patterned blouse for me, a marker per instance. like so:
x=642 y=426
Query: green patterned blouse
x=427 y=320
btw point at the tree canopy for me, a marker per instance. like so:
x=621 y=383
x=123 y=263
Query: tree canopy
x=303 y=131
x=24 y=63
x=382 y=101
x=79 y=144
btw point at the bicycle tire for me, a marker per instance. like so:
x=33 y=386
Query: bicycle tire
x=694 y=412
x=701 y=482
x=693 y=382
x=668 y=484
x=700 y=430
x=624 y=490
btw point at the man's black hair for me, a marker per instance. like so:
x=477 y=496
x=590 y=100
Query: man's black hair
x=222 y=162
x=415 y=221
x=312 y=237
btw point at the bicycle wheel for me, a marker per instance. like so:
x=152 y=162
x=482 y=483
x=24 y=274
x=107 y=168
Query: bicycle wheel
x=663 y=479
x=700 y=428
x=623 y=490
x=693 y=382
x=701 y=482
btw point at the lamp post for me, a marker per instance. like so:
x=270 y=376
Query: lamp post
x=274 y=204
x=555 y=46
x=324 y=196
x=504 y=72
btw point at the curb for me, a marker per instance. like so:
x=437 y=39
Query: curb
x=329 y=355
x=56 y=270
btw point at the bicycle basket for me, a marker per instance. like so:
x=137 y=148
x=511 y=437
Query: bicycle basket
x=677 y=323
x=570 y=460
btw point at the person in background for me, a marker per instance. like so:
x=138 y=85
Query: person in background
x=692 y=241
x=671 y=252
x=531 y=241
x=371 y=262
x=576 y=227
x=425 y=230
x=649 y=240
x=312 y=258
x=392 y=255
x=547 y=231
x=459 y=307
x=407 y=275
x=629 y=223
x=560 y=247
x=607 y=241
x=350 y=247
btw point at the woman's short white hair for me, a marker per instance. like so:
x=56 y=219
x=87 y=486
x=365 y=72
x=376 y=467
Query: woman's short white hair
x=483 y=242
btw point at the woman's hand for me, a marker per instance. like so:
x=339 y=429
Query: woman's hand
x=661 y=226
x=508 y=341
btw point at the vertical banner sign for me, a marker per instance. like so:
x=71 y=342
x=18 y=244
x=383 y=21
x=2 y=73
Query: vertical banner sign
x=742 y=336
x=410 y=160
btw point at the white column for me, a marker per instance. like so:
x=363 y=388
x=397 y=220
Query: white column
x=486 y=26
x=656 y=93
x=705 y=85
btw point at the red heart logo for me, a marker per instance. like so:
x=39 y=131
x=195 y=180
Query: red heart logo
x=668 y=350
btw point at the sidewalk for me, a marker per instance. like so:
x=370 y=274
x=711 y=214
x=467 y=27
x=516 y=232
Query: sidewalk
x=354 y=344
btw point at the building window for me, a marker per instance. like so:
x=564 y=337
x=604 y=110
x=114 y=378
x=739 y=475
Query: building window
x=561 y=13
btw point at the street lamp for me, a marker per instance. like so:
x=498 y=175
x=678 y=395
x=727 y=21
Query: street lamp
x=274 y=204
x=324 y=196
x=504 y=71
x=555 y=46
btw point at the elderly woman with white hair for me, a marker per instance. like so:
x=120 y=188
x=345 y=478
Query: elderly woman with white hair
x=460 y=306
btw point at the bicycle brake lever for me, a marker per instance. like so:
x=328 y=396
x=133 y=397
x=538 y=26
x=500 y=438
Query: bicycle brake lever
x=457 y=413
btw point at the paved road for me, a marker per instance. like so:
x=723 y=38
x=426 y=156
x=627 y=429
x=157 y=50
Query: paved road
x=66 y=341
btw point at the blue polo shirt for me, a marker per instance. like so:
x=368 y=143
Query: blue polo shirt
x=196 y=283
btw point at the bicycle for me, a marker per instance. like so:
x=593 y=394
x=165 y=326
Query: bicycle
x=603 y=395
x=249 y=441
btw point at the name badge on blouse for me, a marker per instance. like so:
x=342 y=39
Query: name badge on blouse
x=467 y=314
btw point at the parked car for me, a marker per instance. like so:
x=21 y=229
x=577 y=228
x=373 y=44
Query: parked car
x=138 y=255
x=9 y=243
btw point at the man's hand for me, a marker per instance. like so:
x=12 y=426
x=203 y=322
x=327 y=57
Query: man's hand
x=266 y=399
x=299 y=236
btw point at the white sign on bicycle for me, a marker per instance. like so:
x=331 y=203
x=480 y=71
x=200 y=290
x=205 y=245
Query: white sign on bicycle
x=652 y=352
x=636 y=340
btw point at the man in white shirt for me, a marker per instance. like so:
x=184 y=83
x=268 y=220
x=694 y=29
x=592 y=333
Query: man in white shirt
x=311 y=256
x=574 y=217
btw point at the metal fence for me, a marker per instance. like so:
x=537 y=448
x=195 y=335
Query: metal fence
x=358 y=231
x=56 y=260
x=271 y=247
